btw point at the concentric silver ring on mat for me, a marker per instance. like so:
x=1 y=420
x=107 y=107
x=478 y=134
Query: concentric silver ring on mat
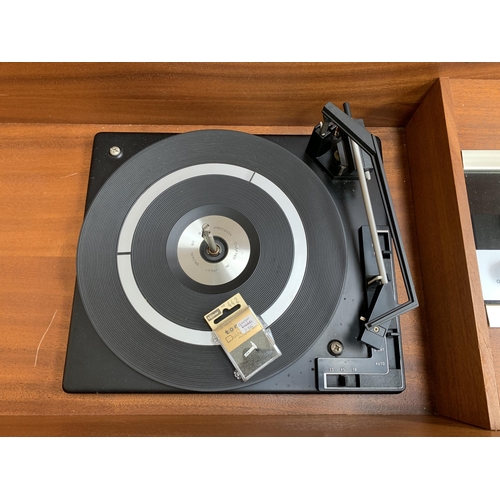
x=306 y=308
x=160 y=290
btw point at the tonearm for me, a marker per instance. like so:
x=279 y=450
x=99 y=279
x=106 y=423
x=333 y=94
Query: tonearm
x=343 y=147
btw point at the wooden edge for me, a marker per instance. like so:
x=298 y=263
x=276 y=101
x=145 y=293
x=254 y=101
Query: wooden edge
x=224 y=93
x=458 y=331
x=229 y=425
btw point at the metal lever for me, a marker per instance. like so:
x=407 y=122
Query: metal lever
x=207 y=235
x=358 y=161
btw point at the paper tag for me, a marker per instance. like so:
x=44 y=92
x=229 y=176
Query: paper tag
x=238 y=325
x=248 y=343
x=246 y=324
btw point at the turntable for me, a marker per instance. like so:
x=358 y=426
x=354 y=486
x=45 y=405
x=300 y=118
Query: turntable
x=301 y=227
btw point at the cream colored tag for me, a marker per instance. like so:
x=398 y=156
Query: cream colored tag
x=238 y=327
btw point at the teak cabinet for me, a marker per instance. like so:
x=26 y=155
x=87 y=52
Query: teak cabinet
x=424 y=113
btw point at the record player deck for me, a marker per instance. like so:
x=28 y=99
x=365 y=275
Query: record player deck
x=301 y=227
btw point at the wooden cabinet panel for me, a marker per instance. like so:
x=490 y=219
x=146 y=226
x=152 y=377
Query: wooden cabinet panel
x=384 y=94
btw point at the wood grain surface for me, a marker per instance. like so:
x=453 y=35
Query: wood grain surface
x=459 y=342
x=43 y=179
x=384 y=94
x=242 y=425
x=477 y=112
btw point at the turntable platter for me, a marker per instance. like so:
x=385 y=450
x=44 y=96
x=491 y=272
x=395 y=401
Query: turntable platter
x=145 y=275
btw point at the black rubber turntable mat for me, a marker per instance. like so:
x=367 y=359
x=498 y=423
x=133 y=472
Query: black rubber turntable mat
x=163 y=283
x=198 y=367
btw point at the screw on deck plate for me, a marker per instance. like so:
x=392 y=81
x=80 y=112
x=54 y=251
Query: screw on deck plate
x=115 y=151
x=335 y=347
